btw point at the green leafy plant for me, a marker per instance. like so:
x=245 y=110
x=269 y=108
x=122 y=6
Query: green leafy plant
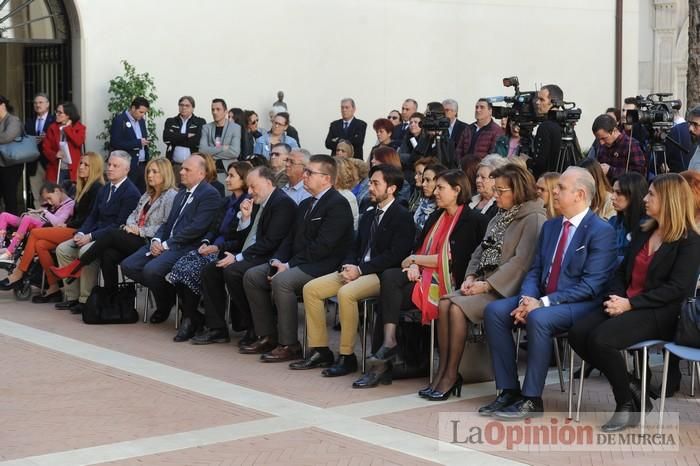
x=122 y=90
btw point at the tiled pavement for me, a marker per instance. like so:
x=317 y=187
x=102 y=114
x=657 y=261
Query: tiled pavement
x=73 y=394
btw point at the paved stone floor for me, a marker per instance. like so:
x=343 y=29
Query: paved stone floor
x=72 y=394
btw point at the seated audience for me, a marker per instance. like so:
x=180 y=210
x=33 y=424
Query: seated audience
x=315 y=245
x=545 y=189
x=42 y=241
x=192 y=212
x=212 y=176
x=346 y=180
x=426 y=205
x=296 y=164
x=496 y=270
x=567 y=281
x=417 y=189
x=114 y=203
x=59 y=208
x=447 y=241
x=344 y=149
x=185 y=275
x=382 y=156
x=644 y=301
x=601 y=205
x=117 y=244
x=385 y=237
x=628 y=201
x=484 y=201
x=279 y=154
x=693 y=179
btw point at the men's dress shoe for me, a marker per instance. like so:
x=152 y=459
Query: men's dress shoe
x=77 y=308
x=54 y=297
x=210 y=335
x=522 y=409
x=248 y=339
x=63 y=305
x=71 y=270
x=375 y=376
x=626 y=415
x=159 y=316
x=505 y=399
x=320 y=357
x=186 y=331
x=636 y=390
x=283 y=353
x=260 y=346
x=344 y=365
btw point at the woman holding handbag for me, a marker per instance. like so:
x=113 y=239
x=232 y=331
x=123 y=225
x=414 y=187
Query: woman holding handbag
x=66 y=134
x=10 y=129
x=658 y=273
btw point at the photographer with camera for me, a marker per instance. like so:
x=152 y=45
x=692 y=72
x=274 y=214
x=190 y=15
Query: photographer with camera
x=547 y=141
x=428 y=136
x=617 y=152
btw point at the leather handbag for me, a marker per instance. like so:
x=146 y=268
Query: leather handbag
x=688 y=329
x=22 y=150
x=105 y=306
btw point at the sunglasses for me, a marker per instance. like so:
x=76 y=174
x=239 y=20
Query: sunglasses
x=392 y=118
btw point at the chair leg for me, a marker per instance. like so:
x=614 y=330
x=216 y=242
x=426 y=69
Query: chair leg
x=177 y=312
x=693 y=370
x=146 y=305
x=227 y=316
x=696 y=366
x=365 y=308
x=636 y=364
x=644 y=389
x=518 y=334
x=579 y=396
x=571 y=381
x=432 y=350
x=303 y=337
x=664 y=380
x=557 y=356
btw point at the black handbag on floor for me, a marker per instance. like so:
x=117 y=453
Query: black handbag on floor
x=688 y=330
x=106 y=306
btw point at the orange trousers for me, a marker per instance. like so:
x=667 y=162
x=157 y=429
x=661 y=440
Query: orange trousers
x=40 y=243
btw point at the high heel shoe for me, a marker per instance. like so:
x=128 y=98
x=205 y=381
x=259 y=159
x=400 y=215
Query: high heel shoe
x=7 y=285
x=456 y=390
x=71 y=270
x=425 y=391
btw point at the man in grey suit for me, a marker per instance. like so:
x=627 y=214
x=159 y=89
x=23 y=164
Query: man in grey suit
x=221 y=138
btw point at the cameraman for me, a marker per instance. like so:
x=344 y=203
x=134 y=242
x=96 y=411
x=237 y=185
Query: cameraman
x=547 y=141
x=427 y=143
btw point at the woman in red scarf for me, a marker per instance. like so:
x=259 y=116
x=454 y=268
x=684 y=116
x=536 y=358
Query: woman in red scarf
x=449 y=237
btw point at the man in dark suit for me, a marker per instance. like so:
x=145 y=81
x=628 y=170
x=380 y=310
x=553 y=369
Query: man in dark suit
x=568 y=279
x=182 y=133
x=271 y=212
x=114 y=203
x=384 y=239
x=192 y=212
x=408 y=108
x=348 y=128
x=316 y=245
x=37 y=126
x=128 y=133
x=457 y=126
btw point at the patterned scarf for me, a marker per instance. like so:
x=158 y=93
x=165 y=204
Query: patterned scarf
x=435 y=282
x=492 y=245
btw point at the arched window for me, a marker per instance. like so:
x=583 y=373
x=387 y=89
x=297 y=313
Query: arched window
x=29 y=21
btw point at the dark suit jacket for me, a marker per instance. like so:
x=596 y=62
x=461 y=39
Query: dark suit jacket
x=392 y=243
x=678 y=159
x=122 y=137
x=457 y=131
x=84 y=206
x=272 y=229
x=30 y=129
x=466 y=236
x=196 y=217
x=173 y=137
x=319 y=239
x=671 y=278
x=587 y=266
x=546 y=148
x=107 y=215
x=355 y=134
x=399 y=132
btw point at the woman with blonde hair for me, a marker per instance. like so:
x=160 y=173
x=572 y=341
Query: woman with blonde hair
x=150 y=213
x=346 y=179
x=545 y=187
x=42 y=241
x=658 y=274
x=601 y=204
x=344 y=150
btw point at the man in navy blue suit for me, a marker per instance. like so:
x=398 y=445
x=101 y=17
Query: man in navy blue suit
x=568 y=279
x=114 y=203
x=128 y=133
x=37 y=126
x=193 y=209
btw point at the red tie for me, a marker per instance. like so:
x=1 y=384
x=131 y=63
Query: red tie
x=558 y=256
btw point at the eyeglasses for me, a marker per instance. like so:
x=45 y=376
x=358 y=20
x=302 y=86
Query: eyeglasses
x=694 y=124
x=392 y=117
x=500 y=191
x=309 y=172
x=277 y=123
x=254 y=122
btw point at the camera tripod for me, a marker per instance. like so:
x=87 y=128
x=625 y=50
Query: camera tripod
x=569 y=152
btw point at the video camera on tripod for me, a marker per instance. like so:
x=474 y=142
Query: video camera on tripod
x=656 y=115
x=521 y=110
x=566 y=115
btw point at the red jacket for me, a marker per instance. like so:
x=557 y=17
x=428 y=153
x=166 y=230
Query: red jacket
x=75 y=137
x=485 y=140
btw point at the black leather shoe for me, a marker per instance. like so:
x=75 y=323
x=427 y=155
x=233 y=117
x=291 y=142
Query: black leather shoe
x=383 y=354
x=344 y=365
x=159 y=316
x=319 y=357
x=64 y=305
x=54 y=297
x=248 y=339
x=77 y=308
x=211 y=335
x=505 y=399
x=5 y=284
x=375 y=376
x=522 y=409
x=626 y=415
x=636 y=389
x=186 y=331
x=455 y=389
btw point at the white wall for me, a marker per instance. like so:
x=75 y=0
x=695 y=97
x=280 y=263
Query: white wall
x=377 y=51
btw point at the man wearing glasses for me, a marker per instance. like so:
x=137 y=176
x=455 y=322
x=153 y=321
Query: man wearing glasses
x=694 y=127
x=295 y=164
x=279 y=154
x=316 y=245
